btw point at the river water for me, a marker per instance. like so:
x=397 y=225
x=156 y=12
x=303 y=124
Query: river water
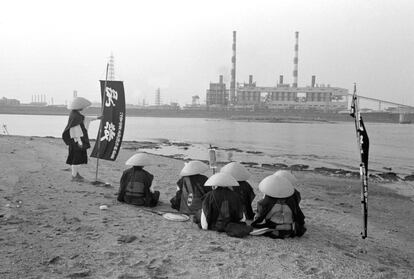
x=314 y=144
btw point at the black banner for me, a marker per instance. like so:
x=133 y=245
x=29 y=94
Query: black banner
x=361 y=132
x=109 y=139
x=364 y=142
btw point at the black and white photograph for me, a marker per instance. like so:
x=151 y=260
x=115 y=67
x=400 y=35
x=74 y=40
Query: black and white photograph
x=207 y=139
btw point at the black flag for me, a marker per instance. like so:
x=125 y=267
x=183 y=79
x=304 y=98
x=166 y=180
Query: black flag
x=364 y=142
x=361 y=132
x=112 y=124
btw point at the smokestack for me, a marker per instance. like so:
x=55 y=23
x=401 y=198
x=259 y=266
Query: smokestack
x=75 y=93
x=295 y=61
x=221 y=79
x=233 y=71
x=281 y=79
x=250 y=79
x=313 y=81
x=158 y=97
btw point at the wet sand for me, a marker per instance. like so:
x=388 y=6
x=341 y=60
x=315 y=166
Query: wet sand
x=51 y=227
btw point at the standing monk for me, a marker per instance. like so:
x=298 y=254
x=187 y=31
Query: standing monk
x=76 y=137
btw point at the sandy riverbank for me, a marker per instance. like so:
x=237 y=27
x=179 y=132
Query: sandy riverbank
x=51 y=227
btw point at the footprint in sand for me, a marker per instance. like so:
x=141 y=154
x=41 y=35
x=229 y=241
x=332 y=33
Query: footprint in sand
x=301 y=262
x=283 y=257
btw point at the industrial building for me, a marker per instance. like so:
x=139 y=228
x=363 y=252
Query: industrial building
x=281 y=96
x=9 y=102
x=217 y=94
x=284 y=96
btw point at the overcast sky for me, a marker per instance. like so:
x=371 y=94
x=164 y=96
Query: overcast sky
x=55 y=47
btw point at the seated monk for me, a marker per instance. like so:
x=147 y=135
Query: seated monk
x=135 y=185
x=222 y=205
x=279 y=209
x=245 y=191
x=190 y=188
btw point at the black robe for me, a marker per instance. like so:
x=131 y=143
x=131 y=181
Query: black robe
x=198 y=190
x=135 y=186
x=266 y=204
x=221 y=207
x=247 y=196
x=77 y=155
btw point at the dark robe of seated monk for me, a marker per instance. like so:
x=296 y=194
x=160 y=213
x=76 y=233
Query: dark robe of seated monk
x=265 y=205
x=247 y=196
x=221 y=207
x=135 y=188
x=190 y=194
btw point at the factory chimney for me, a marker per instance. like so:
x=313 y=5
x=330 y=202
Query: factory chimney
x=158 y=97
x=313 y=81
x=233 y=71
x=295 y=61
x=281 y=79
x=250 y=79
x=221 y=79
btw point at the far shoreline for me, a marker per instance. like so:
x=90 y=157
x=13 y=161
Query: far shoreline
x=279 y=116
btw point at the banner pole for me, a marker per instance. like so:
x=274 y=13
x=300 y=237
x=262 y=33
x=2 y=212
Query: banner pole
x=100 y=126
x=362 y=170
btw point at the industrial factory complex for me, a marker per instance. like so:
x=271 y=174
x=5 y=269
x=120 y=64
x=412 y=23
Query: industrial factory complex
x=245 y=101
x=282 y=96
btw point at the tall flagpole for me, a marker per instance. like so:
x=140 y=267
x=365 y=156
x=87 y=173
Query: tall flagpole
x=362 y=168
x=100 y=126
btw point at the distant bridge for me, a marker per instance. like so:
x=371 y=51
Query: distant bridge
x=381 y=103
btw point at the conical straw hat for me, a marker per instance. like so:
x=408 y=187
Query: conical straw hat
x=139 y=159
x=288 y=175
x=221 y=179
x=276 y=187
x=79 y=103
x=236 y=170
x=193 y=167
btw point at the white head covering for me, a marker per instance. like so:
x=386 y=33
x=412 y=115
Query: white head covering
x=79 y=103
x=193 y=167
x=222 y=180
x=235 y=169
x=276 y=187
x=288 y=175
x=139 y=159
